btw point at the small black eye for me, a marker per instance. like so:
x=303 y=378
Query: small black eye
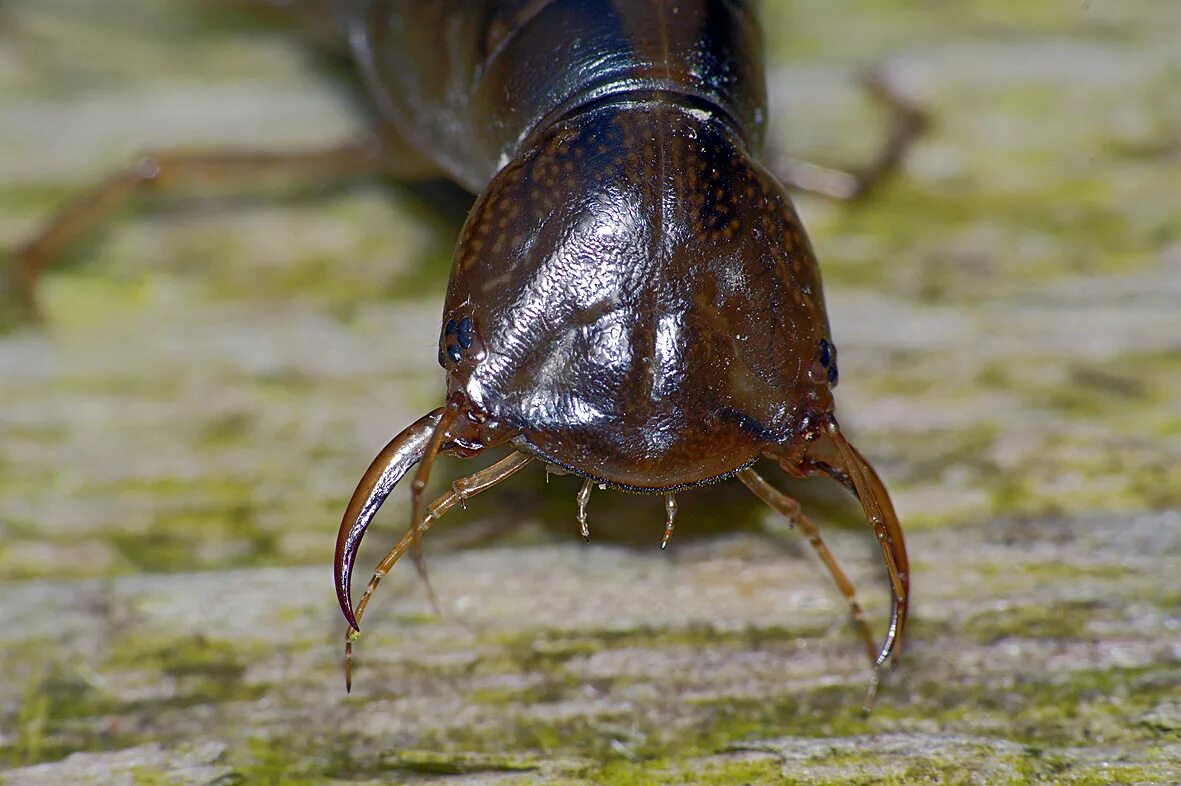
x=825 y=353
x=464 y=332
x=453 y=353
x=833 y=376
x=450 y=328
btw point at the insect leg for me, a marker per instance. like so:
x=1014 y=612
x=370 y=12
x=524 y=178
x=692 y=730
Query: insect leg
x=461 y=490
x=583 y=497
x=421 y=478
x=171 y=170
x=670 y=515
x=790 y=510
x=907 y=123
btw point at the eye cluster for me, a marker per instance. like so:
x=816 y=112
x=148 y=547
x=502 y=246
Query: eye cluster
x=460 y=341
x=827 y=357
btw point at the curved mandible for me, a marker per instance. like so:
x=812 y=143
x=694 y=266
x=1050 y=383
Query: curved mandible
x=854 y=472
x=894 y=548
x=393 y=462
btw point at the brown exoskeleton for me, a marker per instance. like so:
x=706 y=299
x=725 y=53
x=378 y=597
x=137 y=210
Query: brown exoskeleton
x=633 y=298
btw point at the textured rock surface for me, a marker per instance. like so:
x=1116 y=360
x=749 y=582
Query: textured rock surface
x=216 y=367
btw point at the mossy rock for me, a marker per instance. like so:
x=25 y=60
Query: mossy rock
x=213 y=369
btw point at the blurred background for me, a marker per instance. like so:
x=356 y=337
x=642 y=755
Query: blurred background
x=215 y=369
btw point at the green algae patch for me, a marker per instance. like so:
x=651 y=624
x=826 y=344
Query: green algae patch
x=273 y=763
x=29 y=728
x=521 y=742
x=1054 y=570
x=830 y=711
x=959 y=766
x=550 y=653
x=930 y=240
x=551 y=648
x=200 y=668
x=1125 y=391
x=146 y=776
x=420 y=762
x=673 y=773
x=56 y=715
x=1037 y=712
x=174 y=547
x=1067 y=621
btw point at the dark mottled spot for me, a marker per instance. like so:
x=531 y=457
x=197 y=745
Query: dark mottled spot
x=464 y=334
x=825 y=353
x=450 y=328
x=748 y=424
x=453 y=353
x=832 y=375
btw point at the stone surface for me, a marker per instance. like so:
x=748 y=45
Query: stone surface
x=216 y=367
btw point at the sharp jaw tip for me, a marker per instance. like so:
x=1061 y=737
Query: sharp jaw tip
x=350 y=616
x=344 y=599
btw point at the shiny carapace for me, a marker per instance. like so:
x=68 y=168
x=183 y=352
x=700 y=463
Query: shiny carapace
x=633 y=298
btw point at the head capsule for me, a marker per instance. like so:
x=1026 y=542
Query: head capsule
x=634 y=299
